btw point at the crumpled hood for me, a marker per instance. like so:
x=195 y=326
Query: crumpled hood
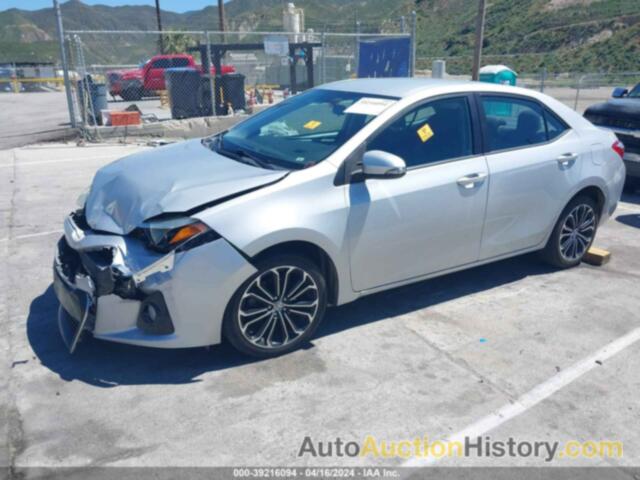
x=171 y=179
x=616 y=107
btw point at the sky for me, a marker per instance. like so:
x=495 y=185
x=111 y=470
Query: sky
x=172 y=5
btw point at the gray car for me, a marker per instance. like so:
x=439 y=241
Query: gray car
x=342 y=191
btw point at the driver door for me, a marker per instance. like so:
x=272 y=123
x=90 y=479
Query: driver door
x=430 y=219
x=155 y=75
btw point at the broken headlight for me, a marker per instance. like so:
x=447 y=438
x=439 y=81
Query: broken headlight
x=176 y=233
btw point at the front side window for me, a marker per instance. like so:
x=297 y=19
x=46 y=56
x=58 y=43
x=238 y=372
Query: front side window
x=301 y=131
x=161 y=63
x=433 y=132
x=517 y=123
x=179 y=62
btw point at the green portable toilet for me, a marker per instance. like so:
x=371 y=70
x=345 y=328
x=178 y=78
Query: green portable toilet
x=498 y=74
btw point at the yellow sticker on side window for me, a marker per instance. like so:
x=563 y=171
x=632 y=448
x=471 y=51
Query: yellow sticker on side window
x=425 y=132
x=312 y=124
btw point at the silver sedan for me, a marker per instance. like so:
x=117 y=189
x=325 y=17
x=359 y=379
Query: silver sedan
x=345 y=190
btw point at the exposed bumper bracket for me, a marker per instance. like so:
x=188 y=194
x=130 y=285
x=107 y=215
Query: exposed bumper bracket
x=70 y=337
x=165 y=264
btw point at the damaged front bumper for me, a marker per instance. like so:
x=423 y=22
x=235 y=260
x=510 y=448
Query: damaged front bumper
x=76 y=301
x=117 y=289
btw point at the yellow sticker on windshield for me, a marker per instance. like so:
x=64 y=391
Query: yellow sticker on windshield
x=312 y=124
x=425 y=132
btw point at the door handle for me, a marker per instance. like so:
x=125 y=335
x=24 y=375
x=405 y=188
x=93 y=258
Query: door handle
x=470 y=181
x=567 y=159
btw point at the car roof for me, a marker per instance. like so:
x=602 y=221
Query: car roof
x=406 y=87
x=171 y=55
x=392 y=87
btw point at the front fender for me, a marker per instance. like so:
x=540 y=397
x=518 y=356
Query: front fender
x=305 y=206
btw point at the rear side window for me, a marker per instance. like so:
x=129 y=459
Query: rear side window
x=518 y=123
x=555 y=126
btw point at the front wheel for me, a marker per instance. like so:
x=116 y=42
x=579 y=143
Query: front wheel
x=278 y=309
x=132 y=93
x=573 y=234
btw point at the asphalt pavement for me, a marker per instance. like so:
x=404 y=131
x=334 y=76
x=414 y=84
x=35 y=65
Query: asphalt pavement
x=513 y=349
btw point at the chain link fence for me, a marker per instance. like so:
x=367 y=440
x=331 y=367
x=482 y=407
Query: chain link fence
x=132 y=77
x=577 y=90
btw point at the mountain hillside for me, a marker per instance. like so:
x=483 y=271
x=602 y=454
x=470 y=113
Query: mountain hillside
x=560 y=35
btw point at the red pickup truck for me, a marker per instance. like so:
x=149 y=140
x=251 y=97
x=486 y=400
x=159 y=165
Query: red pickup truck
x=145 y=81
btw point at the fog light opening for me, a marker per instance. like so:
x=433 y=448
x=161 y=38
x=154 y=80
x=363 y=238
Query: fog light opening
x=154 y=316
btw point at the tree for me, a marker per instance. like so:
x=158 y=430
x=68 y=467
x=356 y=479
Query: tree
x=178 y=42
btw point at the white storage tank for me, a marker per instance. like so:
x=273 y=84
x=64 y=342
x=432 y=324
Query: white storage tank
x=293 y=21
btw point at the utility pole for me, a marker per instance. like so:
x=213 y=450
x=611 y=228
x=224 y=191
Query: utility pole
x=221 y=18
x=65 y=64
x=477 y=52
x=159 y=20
x=414 y=42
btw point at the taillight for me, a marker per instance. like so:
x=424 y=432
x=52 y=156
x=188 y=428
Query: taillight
x=618 y=147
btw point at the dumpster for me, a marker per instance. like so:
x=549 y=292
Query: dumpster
x=230 y=93
x=498 y=74
x=205 y=97
x=92 y=98
x=184 y=86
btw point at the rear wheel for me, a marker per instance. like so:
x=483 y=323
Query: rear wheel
x=278 y=309
x=573 y=234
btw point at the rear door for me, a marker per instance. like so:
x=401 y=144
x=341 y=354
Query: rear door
x=534 y=159
x=431 y=218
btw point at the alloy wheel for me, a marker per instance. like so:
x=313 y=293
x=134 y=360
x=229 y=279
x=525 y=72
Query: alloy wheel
x=577 y=232
x=278 y=306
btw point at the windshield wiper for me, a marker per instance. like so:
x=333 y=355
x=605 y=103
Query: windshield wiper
x=239 y=154
x=250 y=158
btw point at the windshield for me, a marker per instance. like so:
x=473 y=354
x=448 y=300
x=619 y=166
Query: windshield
x=635 y=93
x=300 y=131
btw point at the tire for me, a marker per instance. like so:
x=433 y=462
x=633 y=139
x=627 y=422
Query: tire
x=131 y=94
x=258 y=320
x=583 y=211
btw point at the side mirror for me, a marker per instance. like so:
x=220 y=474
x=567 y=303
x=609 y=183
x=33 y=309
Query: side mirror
x=379 y=164
x=619 y=92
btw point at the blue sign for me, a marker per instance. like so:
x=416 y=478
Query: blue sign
x=386 y=57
